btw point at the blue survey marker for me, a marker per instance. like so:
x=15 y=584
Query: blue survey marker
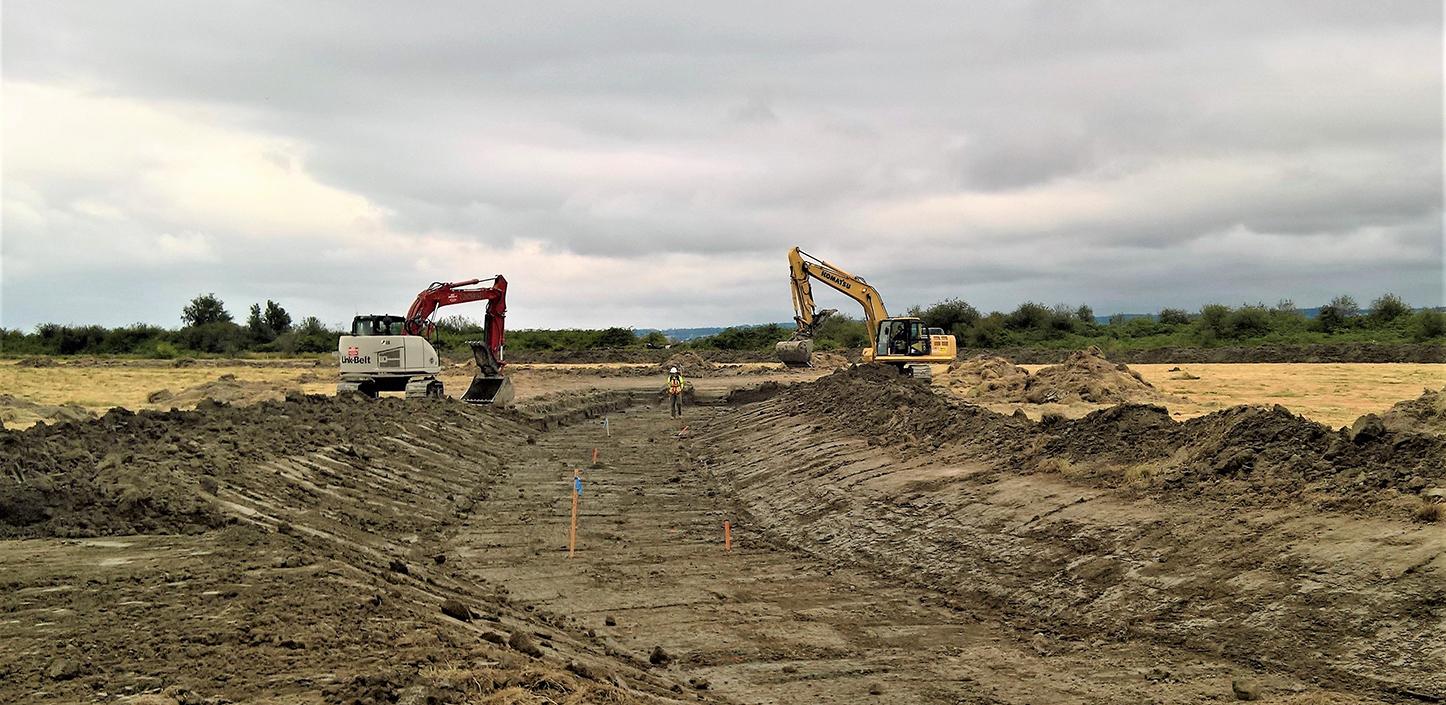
x=577 y=485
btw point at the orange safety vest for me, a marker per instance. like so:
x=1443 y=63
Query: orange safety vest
x=675 y=384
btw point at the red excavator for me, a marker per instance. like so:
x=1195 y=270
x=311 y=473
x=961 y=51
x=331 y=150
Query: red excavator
x=395 y=353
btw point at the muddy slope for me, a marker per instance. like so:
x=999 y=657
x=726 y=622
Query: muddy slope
x=292 y=551
x=1251 y=534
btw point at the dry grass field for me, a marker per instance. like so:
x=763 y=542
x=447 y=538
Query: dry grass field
x=1334 y=394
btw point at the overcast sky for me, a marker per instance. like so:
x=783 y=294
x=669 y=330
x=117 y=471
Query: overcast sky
x=648 y=164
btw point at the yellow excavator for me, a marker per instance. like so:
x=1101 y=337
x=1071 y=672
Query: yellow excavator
x=902 y=341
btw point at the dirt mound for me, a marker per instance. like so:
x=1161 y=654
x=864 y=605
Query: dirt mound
x=828 y=361
x=225 y=389
x=986 y=377
x=888 y=409
x=689 y=363
x=17 y=410
x=37 y=362
x=1424 y=414
x=1087 y=376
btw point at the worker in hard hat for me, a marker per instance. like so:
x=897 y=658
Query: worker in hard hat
x=675 y=391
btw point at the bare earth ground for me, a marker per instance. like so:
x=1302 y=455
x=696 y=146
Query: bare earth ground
x=887 y=547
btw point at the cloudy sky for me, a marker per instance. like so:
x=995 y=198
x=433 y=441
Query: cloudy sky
x=648 y=164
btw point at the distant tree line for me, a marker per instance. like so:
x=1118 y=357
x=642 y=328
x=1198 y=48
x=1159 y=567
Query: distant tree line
x=1389 y=319
x=208 y=328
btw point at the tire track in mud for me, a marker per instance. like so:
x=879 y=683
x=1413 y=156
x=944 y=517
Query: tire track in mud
x=768 y=624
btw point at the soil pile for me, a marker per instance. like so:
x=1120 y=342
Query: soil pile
x=828 y=361
x=986 y=377
x=1088 y=377
x=888 y=409
x=689 y=363
x=16 y=410
x=226 y=389
x=37 y=362
x=1424 y=414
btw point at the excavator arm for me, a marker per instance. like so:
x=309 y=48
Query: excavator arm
x=803 y=268
x=489 y=385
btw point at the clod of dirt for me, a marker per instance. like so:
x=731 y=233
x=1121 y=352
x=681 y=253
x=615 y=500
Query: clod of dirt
x=1424 y=414
x=494 y=637
x=610 y=621
x=522 y=642
x=1367 y=428
x=160 y=396
x=659 y=657
x=440 y=558
x=699 y=683
x=63 y=669
x=397 y=566
x=876 y=689
x=1087 y=376
x=584 y=670
x=456 y=610
x=1245 y=689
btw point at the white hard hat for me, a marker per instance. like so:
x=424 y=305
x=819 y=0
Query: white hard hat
x=673 y=370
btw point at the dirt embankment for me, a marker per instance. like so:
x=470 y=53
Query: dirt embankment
x=1424 y=414
x=292 y=551
x=1250 y=533
x=1314 y=352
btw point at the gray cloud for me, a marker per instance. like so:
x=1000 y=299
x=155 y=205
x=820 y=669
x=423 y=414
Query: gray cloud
x=648 y=163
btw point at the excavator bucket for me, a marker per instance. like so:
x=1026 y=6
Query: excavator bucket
x=489 y=386
x=489 y=389
x=794 y=353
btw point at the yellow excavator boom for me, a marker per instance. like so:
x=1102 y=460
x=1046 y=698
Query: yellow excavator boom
x=909 y=345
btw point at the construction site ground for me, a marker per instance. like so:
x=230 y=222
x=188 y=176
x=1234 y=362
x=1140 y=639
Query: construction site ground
x=887 y=545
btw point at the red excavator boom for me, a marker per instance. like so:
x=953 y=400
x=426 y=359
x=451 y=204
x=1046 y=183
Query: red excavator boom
x=493 y=291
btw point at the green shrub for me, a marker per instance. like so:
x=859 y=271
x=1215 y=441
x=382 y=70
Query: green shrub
x=1387 y=308
x=1428 y=325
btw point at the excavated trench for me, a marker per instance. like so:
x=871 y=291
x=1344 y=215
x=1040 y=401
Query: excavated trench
x=887 y=545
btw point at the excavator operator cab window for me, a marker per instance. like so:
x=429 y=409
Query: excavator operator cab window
x=903 y=338
x=376 y=325
x=918 y=338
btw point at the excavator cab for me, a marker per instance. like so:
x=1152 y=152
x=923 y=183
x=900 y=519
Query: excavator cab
x=377 y=325
x=902 y=336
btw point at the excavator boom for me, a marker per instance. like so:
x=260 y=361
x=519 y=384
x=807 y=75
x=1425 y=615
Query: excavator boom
x=901 y=341
x=802 y=268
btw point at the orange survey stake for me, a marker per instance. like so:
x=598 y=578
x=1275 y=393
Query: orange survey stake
x=727 y=536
